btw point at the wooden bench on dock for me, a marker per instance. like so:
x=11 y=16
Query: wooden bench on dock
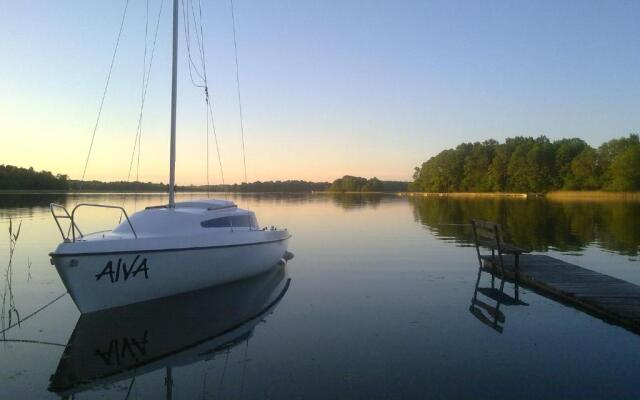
x=603 y=296
x=489 y=235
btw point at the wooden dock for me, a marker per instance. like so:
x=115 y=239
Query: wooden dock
x=603 y=296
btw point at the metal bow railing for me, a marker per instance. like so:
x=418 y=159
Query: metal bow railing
x=74 y=231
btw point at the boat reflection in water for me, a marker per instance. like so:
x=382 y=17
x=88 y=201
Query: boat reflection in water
x=121 y=343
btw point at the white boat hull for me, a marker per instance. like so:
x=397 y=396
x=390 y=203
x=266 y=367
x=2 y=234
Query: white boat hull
x=101 y=281
x=113 y=345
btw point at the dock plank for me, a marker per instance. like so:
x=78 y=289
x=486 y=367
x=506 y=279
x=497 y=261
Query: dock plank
x=609 y=298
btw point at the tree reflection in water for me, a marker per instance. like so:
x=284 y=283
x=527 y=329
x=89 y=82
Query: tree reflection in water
x=350 y=201
x=487 y=300
x=538 y=224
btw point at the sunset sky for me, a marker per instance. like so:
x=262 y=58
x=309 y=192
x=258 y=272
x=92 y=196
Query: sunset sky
x=368 y=88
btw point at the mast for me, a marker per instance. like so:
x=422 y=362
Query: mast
x=174 y=94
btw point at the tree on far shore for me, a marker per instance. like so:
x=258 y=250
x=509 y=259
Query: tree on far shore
x=532 y=165
x=350 y=183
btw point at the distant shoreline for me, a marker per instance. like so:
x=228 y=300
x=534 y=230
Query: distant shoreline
x=54 y=191
x=555 y=195
x=587 y=195
x=31 y=191
x=471 y=194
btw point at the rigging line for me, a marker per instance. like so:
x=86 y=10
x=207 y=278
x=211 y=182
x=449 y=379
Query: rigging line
x=137 y=138
x=244 y=365
x=206 y=87
x=144 y=96
x=215 y=138
x=104 y=93
x=199 y=33
x=224 y=370
x=138 y=158
x=208 y=183
x=235 y=47
x=197 y=24
x=204 y=67
x=205 y=376
x=209 y=98
x=186 y=16
x=144 y=70
x=199 y=39
x=187 y=35
x=204 y=384
x=144 y=58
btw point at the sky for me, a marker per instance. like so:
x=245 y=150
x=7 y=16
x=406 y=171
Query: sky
x=366 y=88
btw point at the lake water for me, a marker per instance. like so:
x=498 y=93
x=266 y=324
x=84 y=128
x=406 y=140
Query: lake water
x=375 y=304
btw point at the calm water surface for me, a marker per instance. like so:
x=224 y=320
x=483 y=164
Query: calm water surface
x=375 y=304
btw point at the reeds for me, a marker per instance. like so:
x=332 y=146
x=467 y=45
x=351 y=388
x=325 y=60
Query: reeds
x=594 y=195
x=9 y=309
x=470 y=194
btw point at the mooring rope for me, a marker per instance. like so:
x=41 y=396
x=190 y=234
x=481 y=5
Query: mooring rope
x=30 y=341
x=133 y=381
x=33 y=313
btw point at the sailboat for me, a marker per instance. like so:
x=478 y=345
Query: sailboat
x=163 y=250
x=122 y=343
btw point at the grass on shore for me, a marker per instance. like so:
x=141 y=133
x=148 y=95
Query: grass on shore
x=469 y=194
x=590 y=195
x=563 y=195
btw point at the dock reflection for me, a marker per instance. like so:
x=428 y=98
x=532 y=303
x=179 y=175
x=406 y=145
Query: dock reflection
x=487 y=300
x=117 y=344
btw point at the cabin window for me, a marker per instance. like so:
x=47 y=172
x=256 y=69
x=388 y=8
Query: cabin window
x=232 y=221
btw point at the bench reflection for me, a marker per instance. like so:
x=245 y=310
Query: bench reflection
x=487 y=300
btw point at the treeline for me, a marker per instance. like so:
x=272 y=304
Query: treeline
x=116 y=186
x=17 y=178
x=257 y=187
x=350 y=183
x=291 y=186
x=538 y=224
x=527 y=164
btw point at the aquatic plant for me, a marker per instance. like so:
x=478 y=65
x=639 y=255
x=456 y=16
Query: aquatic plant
x=9 y=308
